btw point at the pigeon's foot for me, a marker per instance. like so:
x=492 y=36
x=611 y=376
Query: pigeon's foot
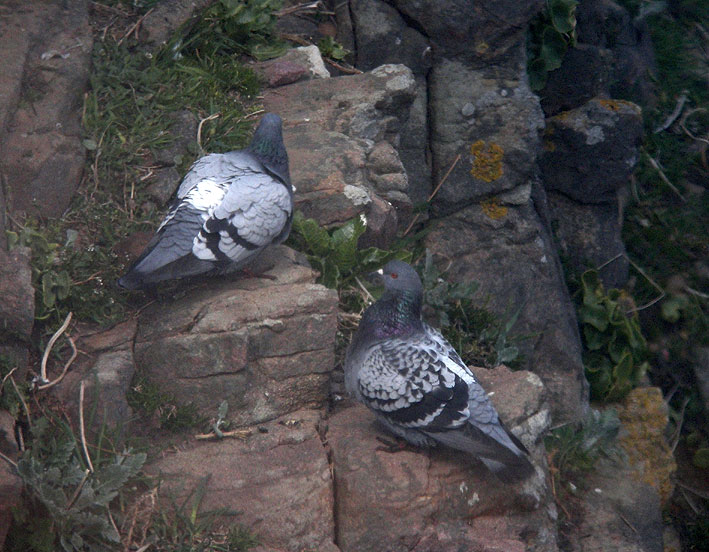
x=392 y=446
x=248 y=273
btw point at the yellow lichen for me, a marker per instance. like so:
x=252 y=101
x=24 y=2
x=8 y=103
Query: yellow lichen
x=492 y=208
x=549 y=145
x=644 y=418
x=487 y=160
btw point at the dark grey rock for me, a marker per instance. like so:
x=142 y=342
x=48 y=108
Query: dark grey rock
x=383 y=37
x=492 y=122
x=617 y=509
x=507 y=250
x=183 y=129
x=591 y=151
x=589 y=236
x=478 y=32
x=164 y=184
x=583 y=75
x=607 y=25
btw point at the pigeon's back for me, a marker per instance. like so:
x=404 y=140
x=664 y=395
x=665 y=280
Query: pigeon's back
x=229 y=207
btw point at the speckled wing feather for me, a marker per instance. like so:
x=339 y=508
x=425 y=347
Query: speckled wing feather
x=415 y=383
x=252 y=214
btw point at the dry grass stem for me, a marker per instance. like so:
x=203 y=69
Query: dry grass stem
x=199 y=129
x=67 y=364
x=82 y=429
x=236 y=433
x=663 y=176
x=435 y=191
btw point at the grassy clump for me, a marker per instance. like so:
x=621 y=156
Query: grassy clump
x=147 y=398
x=574 y=449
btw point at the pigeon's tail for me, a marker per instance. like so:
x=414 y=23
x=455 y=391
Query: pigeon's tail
x=502 y=453
x=181 y=268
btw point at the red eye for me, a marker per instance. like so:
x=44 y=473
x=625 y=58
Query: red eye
x=394 y=275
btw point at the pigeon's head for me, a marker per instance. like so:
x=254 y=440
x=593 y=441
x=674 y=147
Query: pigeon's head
x=268 y=134
x=267 y=145
x=399 y=276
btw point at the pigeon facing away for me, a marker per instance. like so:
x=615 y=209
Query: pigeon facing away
x=419 y=387
x=229 y=207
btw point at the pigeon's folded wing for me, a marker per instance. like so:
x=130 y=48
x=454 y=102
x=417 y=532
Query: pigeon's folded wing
x=413 y=384
x=255 y=210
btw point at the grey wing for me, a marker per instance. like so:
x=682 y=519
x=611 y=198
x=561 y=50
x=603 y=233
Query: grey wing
x=253 y=214
x=481 y=410
x=411 y=384
x=207 y=167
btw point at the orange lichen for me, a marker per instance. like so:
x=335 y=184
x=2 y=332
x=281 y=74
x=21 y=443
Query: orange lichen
x=644 y=418
x=615 y=105
x=492 y=208
x=481 y=47
x=487 y=160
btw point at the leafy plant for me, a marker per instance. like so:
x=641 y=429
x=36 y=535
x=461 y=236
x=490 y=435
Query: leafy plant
x=76 y=500
x=52 y=284
x=550 y=36
x=615 y=349
x=573 y=449
x=330 y=48
x=335 y=253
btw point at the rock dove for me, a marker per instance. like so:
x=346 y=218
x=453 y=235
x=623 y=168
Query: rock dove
x=229 y=207
x=419 y=387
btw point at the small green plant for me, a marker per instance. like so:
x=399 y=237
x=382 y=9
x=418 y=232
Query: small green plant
x=550 y=36
x=479 y=336
x=574 y=449
x=76 y=499
x=335 y=253
x=234 y=26
x=332 y=49
x=184 y=528
x=615 y=349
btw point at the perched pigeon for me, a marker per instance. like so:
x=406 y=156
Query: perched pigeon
x=229 y=207
x=418 y=386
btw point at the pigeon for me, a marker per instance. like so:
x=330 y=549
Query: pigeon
x=229 y=208
x=418 y=386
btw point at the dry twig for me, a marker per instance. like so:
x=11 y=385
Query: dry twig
x=134 y=27
x=236 y=433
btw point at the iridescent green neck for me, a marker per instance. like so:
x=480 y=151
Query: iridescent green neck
x=397 y=313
